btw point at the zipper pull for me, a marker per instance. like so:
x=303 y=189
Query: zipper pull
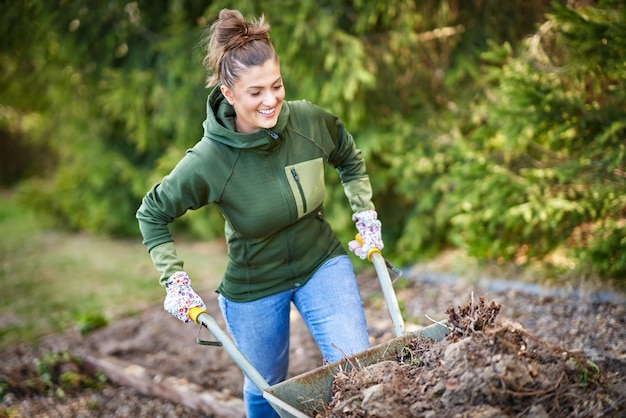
x=295 y=175
x=273 y=134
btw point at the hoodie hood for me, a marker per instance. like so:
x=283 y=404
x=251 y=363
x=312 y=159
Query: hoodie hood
x=220 y=125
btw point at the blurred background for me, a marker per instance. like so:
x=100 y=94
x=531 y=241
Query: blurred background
x=496 y=130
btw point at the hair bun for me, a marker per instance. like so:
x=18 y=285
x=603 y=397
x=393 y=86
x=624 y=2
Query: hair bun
x=232 y=34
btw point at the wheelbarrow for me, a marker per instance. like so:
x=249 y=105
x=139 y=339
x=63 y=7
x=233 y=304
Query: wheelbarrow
x=305 y=395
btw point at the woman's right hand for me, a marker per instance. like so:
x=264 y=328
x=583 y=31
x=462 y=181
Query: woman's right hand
x=180 y=297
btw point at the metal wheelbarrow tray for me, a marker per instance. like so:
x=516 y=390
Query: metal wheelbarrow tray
x=305 y=395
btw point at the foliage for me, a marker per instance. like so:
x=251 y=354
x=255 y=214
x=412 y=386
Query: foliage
x=545 y=152
x=117 y=92
x=60 y=372
x=88 y=321
x=493 y=127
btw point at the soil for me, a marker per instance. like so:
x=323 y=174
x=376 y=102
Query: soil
x=514 y=351
x=482 y=368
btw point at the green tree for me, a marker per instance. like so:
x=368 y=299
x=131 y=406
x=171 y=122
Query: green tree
x=543 y=160
x=109 y=90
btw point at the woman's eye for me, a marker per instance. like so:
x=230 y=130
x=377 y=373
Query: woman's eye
x=278 y=87
x=256 y=93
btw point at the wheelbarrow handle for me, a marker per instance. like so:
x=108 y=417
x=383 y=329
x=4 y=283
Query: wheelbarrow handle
x=390 y=296
x=203 y=318
x=381 y=266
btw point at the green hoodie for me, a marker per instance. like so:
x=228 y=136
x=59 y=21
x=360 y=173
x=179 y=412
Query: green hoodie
x=269 y=186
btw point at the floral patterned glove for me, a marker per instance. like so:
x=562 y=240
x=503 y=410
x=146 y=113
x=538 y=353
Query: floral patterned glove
x=369 y=227
x=180 y=296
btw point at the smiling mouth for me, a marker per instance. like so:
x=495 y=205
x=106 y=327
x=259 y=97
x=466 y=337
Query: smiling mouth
x=267 y=112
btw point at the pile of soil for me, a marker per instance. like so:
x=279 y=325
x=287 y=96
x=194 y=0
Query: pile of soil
x=483 y=368
x=548 y=353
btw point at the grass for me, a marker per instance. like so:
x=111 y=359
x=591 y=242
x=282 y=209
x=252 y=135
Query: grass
x=52 y=280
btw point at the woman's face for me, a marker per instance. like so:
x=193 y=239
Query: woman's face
x=257 y=97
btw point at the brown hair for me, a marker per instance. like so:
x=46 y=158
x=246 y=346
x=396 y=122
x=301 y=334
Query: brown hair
x=232 y=44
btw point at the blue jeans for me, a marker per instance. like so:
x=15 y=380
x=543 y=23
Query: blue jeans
x=331 y=307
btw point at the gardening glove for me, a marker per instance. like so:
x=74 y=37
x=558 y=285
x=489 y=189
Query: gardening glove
x=180 y=296
x=369 y=239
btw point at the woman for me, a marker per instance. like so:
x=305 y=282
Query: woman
x=261 y=161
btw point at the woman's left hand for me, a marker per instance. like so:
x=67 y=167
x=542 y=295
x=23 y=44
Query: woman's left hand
x=369 y=228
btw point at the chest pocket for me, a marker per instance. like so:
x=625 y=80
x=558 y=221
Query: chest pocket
x=306 y=180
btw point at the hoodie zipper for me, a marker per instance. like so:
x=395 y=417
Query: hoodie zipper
x=273 y=134
x=296 y=177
